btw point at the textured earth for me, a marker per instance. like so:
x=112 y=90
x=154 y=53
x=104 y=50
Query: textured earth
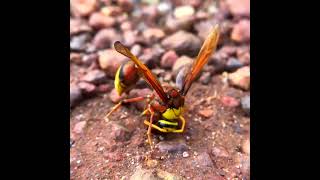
x=165 y=35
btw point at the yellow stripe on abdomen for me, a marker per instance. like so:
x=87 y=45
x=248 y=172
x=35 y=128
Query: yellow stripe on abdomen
x=168 y=123
x=117 y=83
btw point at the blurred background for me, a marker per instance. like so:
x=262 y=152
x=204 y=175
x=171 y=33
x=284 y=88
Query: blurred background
x=165 y=35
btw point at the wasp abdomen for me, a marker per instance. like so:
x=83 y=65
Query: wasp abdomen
x=126 y=77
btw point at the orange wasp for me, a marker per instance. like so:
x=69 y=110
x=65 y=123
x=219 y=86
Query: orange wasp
x=166 y=109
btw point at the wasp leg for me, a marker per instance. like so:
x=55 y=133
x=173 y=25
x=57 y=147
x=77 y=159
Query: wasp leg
x=114 y=108
x=136 y=99
x=144 y=112
x=168 y=130
x=155 y=127
x=146 y=108
x=183 y=125
x=149 y=99
x=149 y=128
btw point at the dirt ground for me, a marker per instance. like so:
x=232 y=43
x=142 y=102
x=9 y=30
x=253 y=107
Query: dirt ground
x=216 y=141
x=220 y=136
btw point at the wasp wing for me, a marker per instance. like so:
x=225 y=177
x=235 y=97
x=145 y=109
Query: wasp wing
x=206 y=50
x=144 y=71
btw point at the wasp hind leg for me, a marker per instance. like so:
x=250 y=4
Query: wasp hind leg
x=150 y=125
x=182 y=126
x=167 y=130
x=156 y=127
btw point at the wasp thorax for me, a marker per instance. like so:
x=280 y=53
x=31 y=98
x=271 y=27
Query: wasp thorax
x=176 y=100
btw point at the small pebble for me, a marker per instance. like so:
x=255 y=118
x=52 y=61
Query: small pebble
x=130 y=38
x=239 y=7
x=96 y=77
x=79 y=127
x=153 y=35
x=105 y=38
x=150 y=57
x=229 y=101
x=246 y=146
x=103 y=88
x=152 y=163
x=88 y=59
x=71 y=143
x=204 y=160
x=110 y=60
x=78 y=43
x=168 y=59
x=241 y=31
x=183 y=12
x=164 y=7
x=185 y=154
x=233 y=64
x=78 y=25
x=136 y=49
x=245 y=104
x=173 y=24
x=82 y=7
x=75 y=95
x=240 y=78
x=205 y=78
x=220 y=152
x=98 y=20
x=119 y=132
x=213 y=9
x=161 y=138
x=181 y=62
x=221 y=172
x=172 y=146
x=167 y=77
x=111 y=10
x=75 y=58
x=206 y=113
x=183 y=43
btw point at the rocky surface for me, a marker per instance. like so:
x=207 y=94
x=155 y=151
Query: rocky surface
x=166 y=36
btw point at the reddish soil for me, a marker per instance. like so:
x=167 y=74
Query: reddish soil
x=215 y=144
x=102 y=158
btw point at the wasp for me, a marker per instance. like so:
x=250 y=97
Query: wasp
x=166 y=104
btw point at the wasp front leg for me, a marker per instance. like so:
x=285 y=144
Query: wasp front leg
x=146 y=108
x=150 y=124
